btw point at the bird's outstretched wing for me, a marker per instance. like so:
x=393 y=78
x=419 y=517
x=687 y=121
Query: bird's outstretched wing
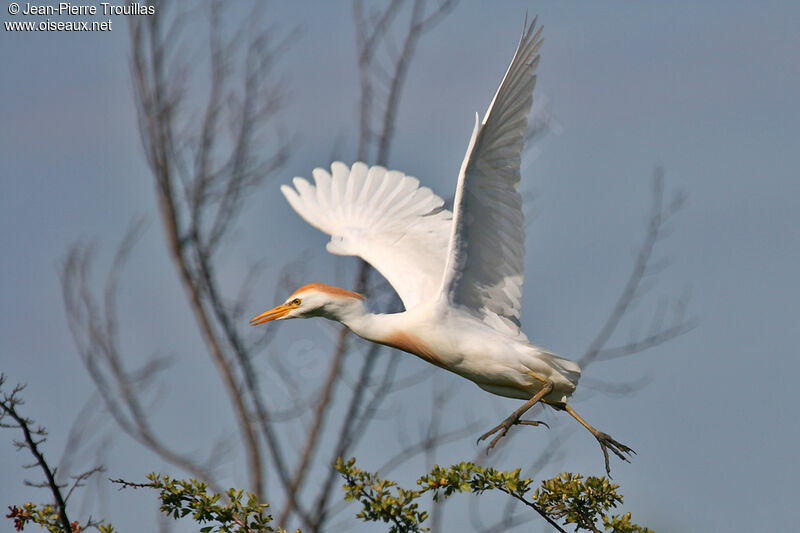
x=484 y=268
x=382 y=216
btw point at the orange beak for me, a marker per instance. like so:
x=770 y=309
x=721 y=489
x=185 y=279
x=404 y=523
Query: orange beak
x=272 y=314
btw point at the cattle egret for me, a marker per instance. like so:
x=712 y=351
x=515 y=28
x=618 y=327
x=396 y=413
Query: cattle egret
x=459 y=275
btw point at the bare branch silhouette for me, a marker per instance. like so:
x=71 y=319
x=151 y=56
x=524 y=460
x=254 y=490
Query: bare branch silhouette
x=372 y=36
x=660 y=214
x=221 y=171
x=97 y=339
x=33 y=438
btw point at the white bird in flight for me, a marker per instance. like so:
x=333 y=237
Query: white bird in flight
x=458 y=274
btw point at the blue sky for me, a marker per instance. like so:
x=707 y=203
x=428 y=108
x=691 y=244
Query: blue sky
x=708 y=91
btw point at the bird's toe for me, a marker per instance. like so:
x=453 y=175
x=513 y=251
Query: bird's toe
x=533 y=423
x=617 y=448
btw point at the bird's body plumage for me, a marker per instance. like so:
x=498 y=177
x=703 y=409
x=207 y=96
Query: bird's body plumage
x=457 y=341
x=458 y=274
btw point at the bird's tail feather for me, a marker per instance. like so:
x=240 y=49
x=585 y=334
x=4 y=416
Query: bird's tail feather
x=566 y=367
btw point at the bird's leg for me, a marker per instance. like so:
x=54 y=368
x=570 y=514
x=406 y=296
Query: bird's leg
x=504 y=426
x=605 y=440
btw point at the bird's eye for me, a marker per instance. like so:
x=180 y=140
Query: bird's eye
x=296 y=301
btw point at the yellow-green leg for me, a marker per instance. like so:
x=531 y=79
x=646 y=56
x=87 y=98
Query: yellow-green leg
x=605 y=440
x=504 y=426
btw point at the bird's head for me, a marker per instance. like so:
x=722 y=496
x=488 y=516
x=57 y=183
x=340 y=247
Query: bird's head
x=314 y=299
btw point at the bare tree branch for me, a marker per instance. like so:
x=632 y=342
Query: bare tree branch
x=659 y=215
x=320 y=413
x=645 y=343
x=33 y=438
x=218 y=185
x=372 y=35
x=96 y=337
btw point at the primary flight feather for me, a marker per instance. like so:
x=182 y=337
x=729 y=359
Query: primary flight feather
x=459 y=275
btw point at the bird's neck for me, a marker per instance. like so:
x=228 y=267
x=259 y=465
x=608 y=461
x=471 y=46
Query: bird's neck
x=395 y=330
x=364 y=324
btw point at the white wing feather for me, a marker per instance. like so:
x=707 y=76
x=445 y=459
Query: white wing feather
x=382 y=216
x=484 y=271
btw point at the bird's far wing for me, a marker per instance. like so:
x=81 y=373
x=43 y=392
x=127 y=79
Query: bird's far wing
x=382 y=216
x=484 y=268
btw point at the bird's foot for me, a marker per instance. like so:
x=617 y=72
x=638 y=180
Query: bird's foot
x=607 y=443
x=503 y=428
